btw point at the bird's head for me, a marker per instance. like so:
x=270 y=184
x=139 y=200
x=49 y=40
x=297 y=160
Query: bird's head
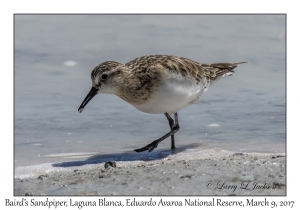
x=106 y=78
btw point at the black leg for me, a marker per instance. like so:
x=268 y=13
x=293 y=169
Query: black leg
x=176 y=123
x=171 y=124
x=174 y=128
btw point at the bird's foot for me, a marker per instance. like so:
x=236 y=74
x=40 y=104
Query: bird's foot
x=173 y=150
x=150 y=147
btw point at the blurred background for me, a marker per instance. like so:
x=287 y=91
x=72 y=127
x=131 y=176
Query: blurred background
x=54 y=55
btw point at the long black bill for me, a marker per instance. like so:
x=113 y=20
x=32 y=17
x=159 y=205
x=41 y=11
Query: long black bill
x=89 y=96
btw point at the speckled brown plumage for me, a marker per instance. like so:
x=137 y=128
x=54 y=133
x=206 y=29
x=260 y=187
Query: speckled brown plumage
x=183 y=66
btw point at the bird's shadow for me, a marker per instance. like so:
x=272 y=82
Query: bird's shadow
x=128 y=156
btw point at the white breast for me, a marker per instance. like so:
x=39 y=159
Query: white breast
x=174 y=94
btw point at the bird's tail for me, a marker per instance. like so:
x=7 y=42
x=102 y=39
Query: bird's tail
x=226 y=65
x=218 y=70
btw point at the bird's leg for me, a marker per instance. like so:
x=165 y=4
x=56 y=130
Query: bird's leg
x=175 y=127
x=177 y=124
x=171 y=124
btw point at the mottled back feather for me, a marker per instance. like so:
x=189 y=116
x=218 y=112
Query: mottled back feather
x=182 y=66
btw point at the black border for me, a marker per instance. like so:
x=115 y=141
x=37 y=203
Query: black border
x=286 y=166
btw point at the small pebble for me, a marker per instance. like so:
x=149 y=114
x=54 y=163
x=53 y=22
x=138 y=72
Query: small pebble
x=109 y=164
x=43 y=176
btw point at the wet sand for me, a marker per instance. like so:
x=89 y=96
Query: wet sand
x=224 y=173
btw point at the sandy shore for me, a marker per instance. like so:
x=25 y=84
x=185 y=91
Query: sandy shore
x=224 y=173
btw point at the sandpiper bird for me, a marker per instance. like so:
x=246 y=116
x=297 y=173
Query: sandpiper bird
x=157 y=84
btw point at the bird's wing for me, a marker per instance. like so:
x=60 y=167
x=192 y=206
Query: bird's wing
x=183 y=66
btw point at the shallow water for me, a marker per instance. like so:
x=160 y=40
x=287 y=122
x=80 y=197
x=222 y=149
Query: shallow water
x=54 y=55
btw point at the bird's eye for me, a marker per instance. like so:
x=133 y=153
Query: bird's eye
x=104 y=76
